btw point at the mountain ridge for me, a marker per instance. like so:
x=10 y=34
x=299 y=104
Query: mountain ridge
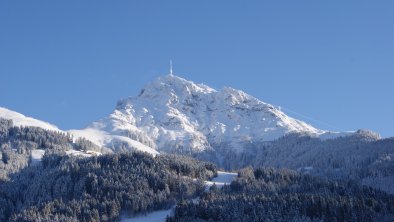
x=22 y=120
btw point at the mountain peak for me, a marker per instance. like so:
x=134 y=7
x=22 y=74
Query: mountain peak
x=173 y=84
x=172 y=113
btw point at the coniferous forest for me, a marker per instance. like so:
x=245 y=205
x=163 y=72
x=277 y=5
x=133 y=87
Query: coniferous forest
x=62 y=187
x=100 y=188
x=267 y=194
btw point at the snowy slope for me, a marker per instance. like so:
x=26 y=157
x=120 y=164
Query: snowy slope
x=173 y=114
x=98 y=137
x=21 y=120
x=112 y=142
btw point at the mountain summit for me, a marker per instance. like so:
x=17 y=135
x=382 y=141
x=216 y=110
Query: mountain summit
x=173 y=114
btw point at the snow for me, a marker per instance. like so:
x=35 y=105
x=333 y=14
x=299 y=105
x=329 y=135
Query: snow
x=174 y=113
x=305 y=169
x=21 y=120
x=334 y=135
x=137 y=145
x=223 y=178
x=98 y=137
x=80 y=153
x=36 y=156
x=104 y=139
x=155 y=216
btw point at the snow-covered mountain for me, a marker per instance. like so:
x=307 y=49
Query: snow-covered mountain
x=177 y=115
x=172 y=114
x=21 y=120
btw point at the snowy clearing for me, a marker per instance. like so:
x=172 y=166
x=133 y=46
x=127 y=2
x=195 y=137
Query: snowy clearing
x=80 y=153
x=160 y=215
x=223 y=178
x=36 y=156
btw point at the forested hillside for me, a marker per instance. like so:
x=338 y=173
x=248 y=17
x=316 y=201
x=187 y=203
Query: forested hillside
x=66 y=188
x=266 y=194
x=62 y=187
x=18 y=143
x=361 y=157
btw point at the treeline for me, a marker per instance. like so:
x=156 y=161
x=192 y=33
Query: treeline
x=267 y=194
x=102 y=188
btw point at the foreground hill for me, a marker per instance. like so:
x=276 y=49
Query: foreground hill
x=65 y=188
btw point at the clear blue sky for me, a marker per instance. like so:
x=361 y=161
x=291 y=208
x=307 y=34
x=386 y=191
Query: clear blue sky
x=68 y=62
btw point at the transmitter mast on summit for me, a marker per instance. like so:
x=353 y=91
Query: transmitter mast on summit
x=171 y=67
